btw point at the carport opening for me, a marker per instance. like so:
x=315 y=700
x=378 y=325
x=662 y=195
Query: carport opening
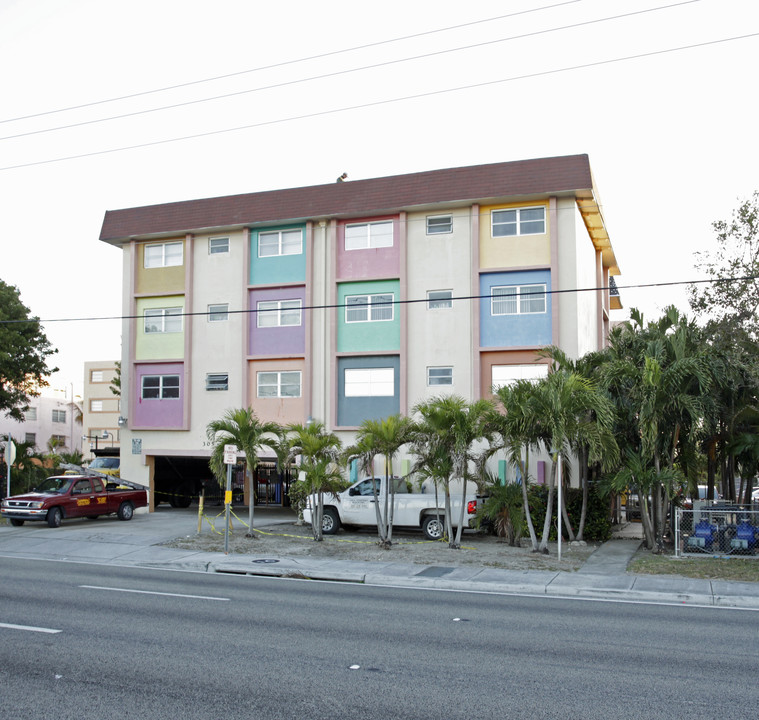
x=179 y=481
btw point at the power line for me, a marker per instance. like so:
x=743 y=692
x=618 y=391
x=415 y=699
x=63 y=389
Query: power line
x=290 y=62
x=349 y=71
x=377 y=103
x=400 y=302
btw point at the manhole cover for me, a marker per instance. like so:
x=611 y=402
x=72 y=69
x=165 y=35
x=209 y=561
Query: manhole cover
x=266 y=560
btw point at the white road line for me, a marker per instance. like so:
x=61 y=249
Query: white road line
x=151 y=592
x=29 y=628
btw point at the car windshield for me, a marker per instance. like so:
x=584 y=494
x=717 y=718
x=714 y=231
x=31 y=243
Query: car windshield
x=54 y=485
x=107 y=463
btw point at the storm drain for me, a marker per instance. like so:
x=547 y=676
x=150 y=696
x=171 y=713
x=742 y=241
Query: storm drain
x=435 y=571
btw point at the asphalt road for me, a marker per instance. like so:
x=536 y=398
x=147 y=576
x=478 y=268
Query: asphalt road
x=87 y=641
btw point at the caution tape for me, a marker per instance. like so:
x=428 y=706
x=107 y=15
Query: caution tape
x=310 y=539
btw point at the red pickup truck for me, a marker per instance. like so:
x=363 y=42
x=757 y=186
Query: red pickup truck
x=68 y=496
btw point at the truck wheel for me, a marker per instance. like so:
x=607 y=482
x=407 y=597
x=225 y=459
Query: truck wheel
x=54 y=517
x=330 y=521
x=433 y=527
x=125 y=511
x=16 y=522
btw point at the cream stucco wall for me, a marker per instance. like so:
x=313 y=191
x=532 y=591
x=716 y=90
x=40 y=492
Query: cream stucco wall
x=440 y=337
x=215 y=347
x=578 y=317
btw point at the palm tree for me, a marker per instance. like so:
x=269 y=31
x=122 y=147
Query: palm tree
x=320 y=453
x=382 y=437
x=282 y=451
x=518 y=431
x=570 y=410
x=449 y=426
x=660 y=379
x=242 y=428
x=588 y=366
x=505 y=510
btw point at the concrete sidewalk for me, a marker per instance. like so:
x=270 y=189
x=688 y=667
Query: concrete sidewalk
x=137 y=544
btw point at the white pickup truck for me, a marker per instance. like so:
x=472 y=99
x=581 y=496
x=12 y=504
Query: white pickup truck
x=355 y=507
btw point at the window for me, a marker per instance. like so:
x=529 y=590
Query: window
x=280 y=242
x=163 y=320
x=59 y=416
x=518 y=299
x=369 y=308
x=217 y=381
x=218 y=313
x=440 y=376
x=59 y=440
x=439 y=299
x=96 y=376
x=519 y=221
x=439 y=224
x=96 y=406
x=508 y=374
x=217 y=246
x=160 y=387
x=278 y=313
x=82 y=487
x=283 y=384
x=163 y=254
x=31 y=414
x=370 y=382
x=362 y=236
x=30 y=438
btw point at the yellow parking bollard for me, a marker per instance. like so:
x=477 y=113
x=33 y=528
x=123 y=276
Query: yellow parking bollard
x=200 y=509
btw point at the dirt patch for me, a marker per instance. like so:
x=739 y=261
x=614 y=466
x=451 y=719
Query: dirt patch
x=291 y=540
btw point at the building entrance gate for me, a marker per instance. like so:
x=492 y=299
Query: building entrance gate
x=272 y=487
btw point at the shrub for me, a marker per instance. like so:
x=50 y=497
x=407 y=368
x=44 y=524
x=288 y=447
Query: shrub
x=597 y=521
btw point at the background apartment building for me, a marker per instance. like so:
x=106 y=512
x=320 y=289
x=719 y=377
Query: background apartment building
x=100 y=407
x=351 y=300
x=49 y=423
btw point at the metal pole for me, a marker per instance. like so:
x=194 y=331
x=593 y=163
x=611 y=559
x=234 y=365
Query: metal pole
x=227 y=503
x=8 y=465
x=561 y=519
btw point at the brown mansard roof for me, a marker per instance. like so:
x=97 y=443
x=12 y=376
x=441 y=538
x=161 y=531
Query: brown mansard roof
x=569 y=174
x=352 y=198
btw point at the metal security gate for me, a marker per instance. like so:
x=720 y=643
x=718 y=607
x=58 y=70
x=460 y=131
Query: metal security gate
x=272 y=487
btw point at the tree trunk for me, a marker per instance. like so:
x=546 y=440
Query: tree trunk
x=252 y=501
x=585 y=481
x=711 y=470
x=380 y=519
x=564 y=513
x=448 y=524
x=526 y=503
x=549 y=512
x=462 y=512
x=390 y=491
x=645 y=519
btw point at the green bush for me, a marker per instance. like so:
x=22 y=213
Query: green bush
x=597 y=520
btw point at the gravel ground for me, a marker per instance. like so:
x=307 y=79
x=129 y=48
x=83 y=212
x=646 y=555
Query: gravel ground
x=292 y=540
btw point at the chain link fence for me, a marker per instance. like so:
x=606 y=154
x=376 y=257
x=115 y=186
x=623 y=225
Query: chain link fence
x=717 y=529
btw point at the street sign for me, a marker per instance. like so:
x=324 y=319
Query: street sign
x=230 y=454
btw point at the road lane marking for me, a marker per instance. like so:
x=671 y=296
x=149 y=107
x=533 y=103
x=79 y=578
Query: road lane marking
x=152 y=592
x=29 y=628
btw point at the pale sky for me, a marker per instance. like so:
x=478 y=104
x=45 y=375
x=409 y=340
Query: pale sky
x=671 y=135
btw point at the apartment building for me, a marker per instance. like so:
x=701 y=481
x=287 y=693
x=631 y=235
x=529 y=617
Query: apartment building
x=100 y=407
x=351 y=300
x=49 y=423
